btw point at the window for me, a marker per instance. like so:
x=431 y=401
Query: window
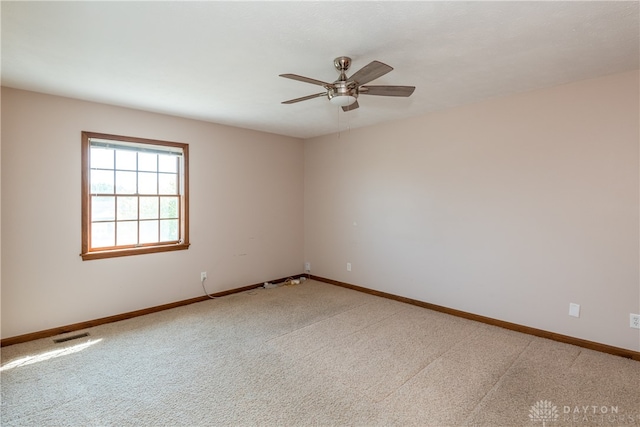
x=135 y=196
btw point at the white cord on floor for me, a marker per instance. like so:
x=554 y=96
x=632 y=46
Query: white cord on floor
x=205 y=290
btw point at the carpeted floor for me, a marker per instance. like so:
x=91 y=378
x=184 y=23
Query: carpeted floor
x=313 y=354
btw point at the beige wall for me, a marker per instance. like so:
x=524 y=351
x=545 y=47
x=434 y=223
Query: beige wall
x=246 y=223
x=511 y=208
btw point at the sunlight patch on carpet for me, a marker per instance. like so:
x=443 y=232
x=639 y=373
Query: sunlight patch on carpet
x=31 y=359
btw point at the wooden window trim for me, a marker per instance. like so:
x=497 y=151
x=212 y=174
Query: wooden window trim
x=86 y=253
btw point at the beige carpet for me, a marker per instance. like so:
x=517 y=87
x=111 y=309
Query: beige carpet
x=313 y=354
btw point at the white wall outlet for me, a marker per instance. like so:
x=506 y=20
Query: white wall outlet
x=634 y=320
x=307 y=266
x=348 y=266
x=203 y=276
x=574 y=309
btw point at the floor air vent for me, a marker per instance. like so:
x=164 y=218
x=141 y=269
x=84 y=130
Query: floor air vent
x=72 y=337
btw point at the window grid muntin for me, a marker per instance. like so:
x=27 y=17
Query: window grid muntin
x=177 y=195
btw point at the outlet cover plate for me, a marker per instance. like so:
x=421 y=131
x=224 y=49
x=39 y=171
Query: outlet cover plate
x=574 y=310
x=634 y=321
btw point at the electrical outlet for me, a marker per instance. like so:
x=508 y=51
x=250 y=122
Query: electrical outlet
x=307 y=266
x=203 y=276
x=348 y=266
x=634 y=321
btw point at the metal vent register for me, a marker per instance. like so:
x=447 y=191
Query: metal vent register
x=71 y=337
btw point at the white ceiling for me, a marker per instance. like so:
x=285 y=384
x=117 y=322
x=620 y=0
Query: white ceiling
x=220 y=61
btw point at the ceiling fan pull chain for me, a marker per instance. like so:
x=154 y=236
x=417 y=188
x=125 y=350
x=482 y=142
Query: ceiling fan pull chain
x=348 y=124
x=338 y=109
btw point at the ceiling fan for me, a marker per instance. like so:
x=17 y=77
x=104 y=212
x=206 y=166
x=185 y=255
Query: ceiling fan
x=344 y=92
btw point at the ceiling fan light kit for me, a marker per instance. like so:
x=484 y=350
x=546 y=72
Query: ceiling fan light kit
x=344 y=91
x=342 y=100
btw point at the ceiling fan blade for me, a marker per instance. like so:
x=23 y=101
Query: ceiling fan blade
x=351 y=107
x=370 y=72
x=304 y=98
x=387 y=90
x=305 y=79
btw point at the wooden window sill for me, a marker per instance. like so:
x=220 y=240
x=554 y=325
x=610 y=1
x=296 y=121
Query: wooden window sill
x=133 y=251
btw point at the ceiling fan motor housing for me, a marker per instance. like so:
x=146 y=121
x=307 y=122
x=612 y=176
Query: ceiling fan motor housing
x=342 y=93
